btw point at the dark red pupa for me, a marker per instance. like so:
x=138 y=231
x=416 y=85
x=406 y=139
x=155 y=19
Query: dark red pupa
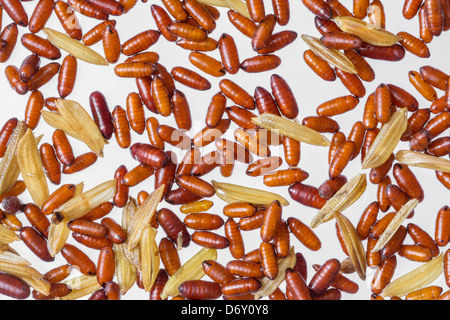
x=13 y=287
x=101 y=114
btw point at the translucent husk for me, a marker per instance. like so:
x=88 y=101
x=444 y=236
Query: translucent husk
x=386 y=140
x=395 y=223
x=31 y=168
x=353 y=244
x=81 y=204
x=149 y=257
x=12 y=263
x=191 y=270
x=128 y=213
x=39 y=284
x=334 y=57
x=269 y=286
x=74 y=47
x=234 y=193
x=143 y=216
x=236 y=5
x=125 y=271
x=19 y=270
x=367 y=32
x=417 y=159
x=10 y=257
x=55 y=120
x=415 y=279
x=291 y=129
x=216 y=3
x=57 y=237
x=344 y=198
x=7 y=235
x=7 y=248
x=9 y=168
x=81 y=286
x=82 y=123
x=58 y=233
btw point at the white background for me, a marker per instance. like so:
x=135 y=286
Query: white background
x=309 y=90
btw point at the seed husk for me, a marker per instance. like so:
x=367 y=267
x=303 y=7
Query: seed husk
x=58 y=233
x=395 y=223
x=143 y=216
x=81 y=286
x=367 y=32
x=39 y=284
x=7 y=235
x=81 y=204
x=291 y=129
x=236 y=5
x=9 y=168
x=344 y=198
x=415 y=279
x=81 y=122
x=19 y=270
x=30 y=166
x=149 y=257
x=125 y=271
x=235 y=193
x=417 y=159
x=333 y=56
x=74 y=47
x=191 y=270
x=128 y=214
x=353 y=245
x=55 y=120
x=386 y=140
x=10 y=257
